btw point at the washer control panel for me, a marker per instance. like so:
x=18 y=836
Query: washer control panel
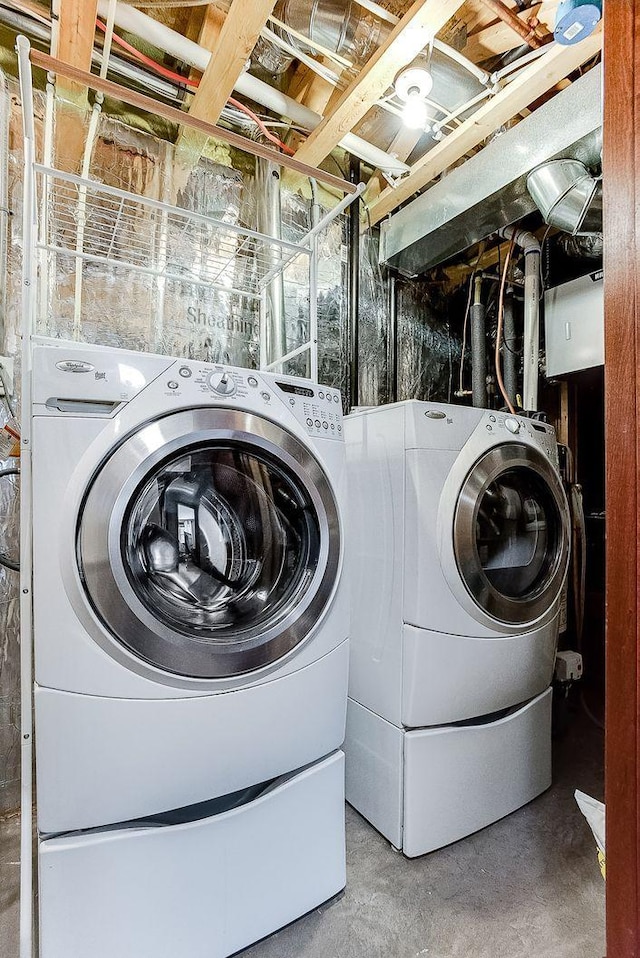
x=317 y=408
x=222 y=383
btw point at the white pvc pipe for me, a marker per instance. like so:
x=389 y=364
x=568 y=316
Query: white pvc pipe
x=518 y=64
x=163 y=37
x=26 y=607
x=462 y=61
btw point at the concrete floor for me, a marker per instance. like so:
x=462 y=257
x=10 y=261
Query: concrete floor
x=527 y=886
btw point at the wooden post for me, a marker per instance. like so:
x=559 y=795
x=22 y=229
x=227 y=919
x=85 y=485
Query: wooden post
x=622 y=433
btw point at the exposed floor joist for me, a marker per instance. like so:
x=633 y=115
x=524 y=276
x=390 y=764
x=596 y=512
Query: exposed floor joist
x=411 y=35
x=75 y=32
x=535 y=80
x=207 y=30
x=236 y=40
x=72 y=41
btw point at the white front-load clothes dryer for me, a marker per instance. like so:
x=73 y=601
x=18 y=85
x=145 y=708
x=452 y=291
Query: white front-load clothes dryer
x=458 y=554
x=190 y=646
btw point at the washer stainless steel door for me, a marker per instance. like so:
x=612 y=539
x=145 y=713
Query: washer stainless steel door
x=511 y=533
x=209 y=542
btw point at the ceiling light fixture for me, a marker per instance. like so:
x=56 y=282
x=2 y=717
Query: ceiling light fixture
x=412 y=87
x=415 y=113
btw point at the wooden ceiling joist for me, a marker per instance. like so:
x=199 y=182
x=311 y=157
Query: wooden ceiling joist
x=72 y=40
x=75 y=32
x=237 y=38
x=411 y=35
x=535 y=80
x=205 y=25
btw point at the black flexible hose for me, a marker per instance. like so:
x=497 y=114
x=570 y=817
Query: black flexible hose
x=6 y=560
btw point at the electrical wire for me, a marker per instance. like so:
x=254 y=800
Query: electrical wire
x=193 y=85
x=148 y=61
x=6 y=560
x=543 y=278
x=263 y=129
x=498 y=364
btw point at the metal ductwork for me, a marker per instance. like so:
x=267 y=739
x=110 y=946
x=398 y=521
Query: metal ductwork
x=346 y=29
x=563 y=191
x=489 y=191
x=343 y=28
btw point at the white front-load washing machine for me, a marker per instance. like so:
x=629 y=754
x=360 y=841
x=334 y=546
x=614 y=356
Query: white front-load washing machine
x=190 y=642
x=458 y=553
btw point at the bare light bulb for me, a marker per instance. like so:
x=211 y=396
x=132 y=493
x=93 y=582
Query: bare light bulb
x=415 y=113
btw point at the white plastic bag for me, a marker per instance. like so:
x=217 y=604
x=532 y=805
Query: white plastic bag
x=593 y=811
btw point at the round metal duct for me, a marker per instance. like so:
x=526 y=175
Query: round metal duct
x=562 y=190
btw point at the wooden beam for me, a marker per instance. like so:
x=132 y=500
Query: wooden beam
x=73 y=37
x=621 y=142
x=500 y=38
x=411 y=35
x=211 y=27
x=536 y=79
x=189 y=144
x=76 y=31
x=236 y=40
x=157 y=108
x=310 y=89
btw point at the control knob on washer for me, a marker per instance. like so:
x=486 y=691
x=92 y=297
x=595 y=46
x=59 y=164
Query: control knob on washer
x=512 y=424
x=222 y=383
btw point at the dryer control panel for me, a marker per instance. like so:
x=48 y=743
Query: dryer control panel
x=505 y=425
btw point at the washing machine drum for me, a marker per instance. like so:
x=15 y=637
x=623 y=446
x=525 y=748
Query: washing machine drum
x=511 y=534
x=209 y=543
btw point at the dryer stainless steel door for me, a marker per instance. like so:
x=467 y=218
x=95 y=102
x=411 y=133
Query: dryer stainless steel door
x=511 y=533
x=209 y=542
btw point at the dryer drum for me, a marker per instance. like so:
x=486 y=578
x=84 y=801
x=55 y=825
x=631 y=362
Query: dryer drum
x=209 y=543
x=511 y=534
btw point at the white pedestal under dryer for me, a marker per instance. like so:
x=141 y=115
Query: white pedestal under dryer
x=458 y=551
x=190 y=639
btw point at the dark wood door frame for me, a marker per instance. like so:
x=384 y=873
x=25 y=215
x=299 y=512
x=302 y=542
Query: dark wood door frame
x=621 y=155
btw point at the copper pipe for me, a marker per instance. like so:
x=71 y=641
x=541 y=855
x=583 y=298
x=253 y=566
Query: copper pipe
x=525 y=30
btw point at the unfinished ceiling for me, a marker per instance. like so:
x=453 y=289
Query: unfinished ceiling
x=315 y=79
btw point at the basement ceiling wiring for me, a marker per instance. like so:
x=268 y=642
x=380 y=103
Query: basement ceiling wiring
x=193 y=85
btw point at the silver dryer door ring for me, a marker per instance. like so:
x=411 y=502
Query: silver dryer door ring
x=102 y=569
x=486 y=470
